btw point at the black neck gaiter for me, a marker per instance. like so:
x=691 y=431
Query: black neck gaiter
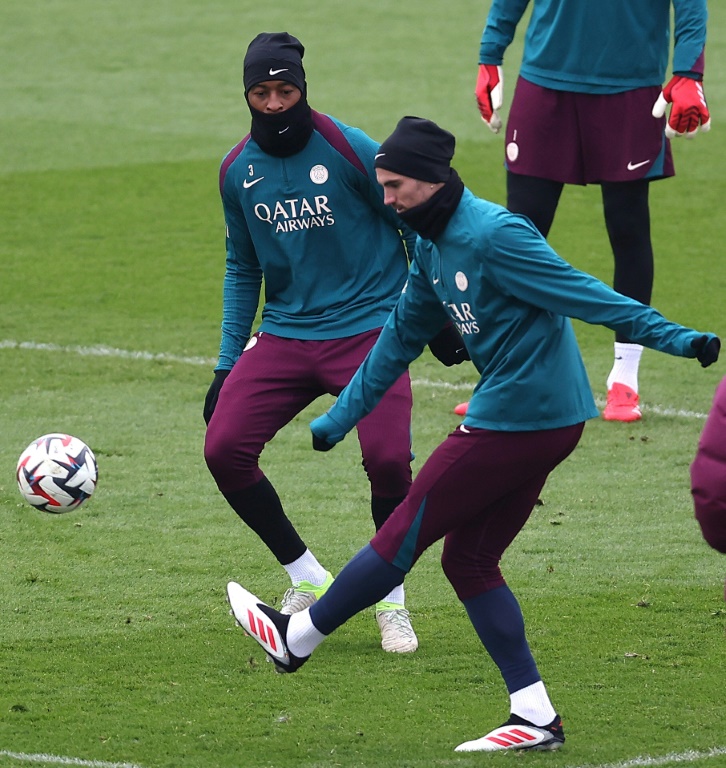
x=283 y=133
x=430 y=218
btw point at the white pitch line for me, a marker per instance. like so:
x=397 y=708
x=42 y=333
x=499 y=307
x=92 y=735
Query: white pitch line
x=58 y=760
x=434 y=384
x=691 y=756
x=103 y=351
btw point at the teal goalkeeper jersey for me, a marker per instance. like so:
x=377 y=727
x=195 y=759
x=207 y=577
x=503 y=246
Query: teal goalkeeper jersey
x=598 y=46
x=511 y=297
x=314 y=225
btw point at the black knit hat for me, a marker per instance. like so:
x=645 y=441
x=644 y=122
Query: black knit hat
x=419 y=149
x=274 y=56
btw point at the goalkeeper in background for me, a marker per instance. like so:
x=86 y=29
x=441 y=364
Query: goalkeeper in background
x=588 y=109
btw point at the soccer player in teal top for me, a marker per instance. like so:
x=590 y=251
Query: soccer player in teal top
x=304 y=211
x=511 y=296
x=588 y=109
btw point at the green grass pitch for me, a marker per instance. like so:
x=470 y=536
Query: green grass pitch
x=116 y=647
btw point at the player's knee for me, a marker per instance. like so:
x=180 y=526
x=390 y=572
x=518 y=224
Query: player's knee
x=227 y=459
x=470 y=576
x=626 y=211
x=216 y=452
x=712 y=519
x=389 y=476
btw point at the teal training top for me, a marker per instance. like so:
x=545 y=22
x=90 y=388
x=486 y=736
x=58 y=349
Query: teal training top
x=598 y=46
x=316 y=227
x=511 y=297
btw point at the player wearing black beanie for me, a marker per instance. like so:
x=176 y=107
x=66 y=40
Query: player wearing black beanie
x=418 y=148
x=304 y=215
x=277 y=57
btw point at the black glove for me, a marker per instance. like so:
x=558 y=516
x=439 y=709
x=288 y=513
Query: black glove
x=210 y=401
x=319 y=444
x=448 y=346
x=707 y=349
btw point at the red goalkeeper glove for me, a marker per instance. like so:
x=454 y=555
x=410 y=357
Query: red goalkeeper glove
x=489 y=95
x=689 y=110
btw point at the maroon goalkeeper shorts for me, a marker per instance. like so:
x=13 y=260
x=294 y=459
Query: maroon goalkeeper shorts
x=585 y=138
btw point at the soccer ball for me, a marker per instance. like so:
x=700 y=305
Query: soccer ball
x=57 y=473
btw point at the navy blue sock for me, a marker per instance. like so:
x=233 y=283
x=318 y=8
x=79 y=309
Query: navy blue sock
x=366 y=579
x=498 y=620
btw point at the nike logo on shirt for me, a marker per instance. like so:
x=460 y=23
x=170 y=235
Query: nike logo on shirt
x=247 y=183
x=632 y=166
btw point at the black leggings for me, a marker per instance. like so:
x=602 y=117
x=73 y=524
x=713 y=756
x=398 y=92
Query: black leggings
x=627 y=219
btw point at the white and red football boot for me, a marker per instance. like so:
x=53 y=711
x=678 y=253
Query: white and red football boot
x=518 y=733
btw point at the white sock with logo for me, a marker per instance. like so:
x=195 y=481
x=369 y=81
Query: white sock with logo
x=625 y=365
x=306 y=568
x=533 y=704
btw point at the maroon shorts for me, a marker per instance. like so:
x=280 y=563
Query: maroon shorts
x=477 y=490
x=585 y=138
x=708 y=474
x=274 y=380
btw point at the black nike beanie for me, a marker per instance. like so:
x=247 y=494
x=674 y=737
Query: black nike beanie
x=419 y=149
x=274 y=56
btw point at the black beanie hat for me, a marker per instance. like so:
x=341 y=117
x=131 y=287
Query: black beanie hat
x=274 y=56
x=419 y=149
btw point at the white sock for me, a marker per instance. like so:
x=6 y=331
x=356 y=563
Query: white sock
x=306 y=568
x=533 y=704
x=302 y=636
x=625 y=365
x=396 y=595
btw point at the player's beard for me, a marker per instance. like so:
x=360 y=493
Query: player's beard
x=283 y=133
